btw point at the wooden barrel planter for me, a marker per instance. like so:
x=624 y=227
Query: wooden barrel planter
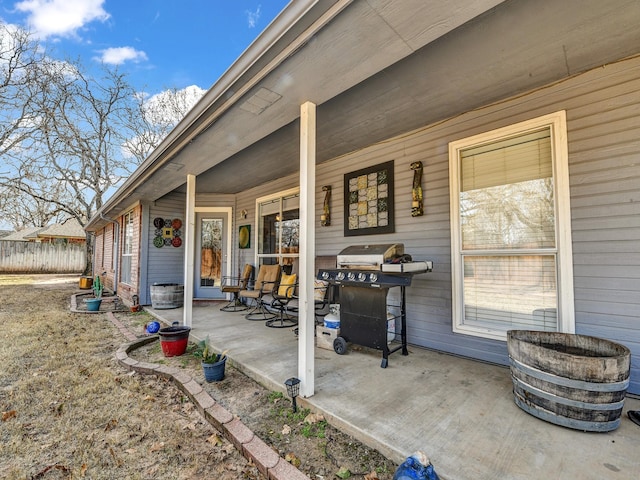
x=571 y=380
x=167 y=295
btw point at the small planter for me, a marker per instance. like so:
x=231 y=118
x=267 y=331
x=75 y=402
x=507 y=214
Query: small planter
x=174 y=339
x=86 y=283
x=93 y=304
x=214 y=372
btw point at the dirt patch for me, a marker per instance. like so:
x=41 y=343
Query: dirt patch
x=70 y=411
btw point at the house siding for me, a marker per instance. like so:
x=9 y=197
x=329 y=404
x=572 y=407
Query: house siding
x=165 y=264
x=603 y=116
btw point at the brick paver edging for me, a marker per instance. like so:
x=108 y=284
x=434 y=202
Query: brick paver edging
x=269 y=463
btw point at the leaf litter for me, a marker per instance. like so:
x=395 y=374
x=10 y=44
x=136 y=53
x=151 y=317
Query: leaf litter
x=62 y=388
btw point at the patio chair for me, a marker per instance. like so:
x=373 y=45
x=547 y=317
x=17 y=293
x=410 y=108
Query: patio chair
x=268 y=277
x=235 y=285
x=280 y=299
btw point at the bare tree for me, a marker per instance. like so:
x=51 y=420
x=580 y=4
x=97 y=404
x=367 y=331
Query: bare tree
x=154 y=117
x=69 y=138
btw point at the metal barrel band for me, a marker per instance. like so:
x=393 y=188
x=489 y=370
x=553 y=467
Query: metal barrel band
x=569 y=382
x=567 y=401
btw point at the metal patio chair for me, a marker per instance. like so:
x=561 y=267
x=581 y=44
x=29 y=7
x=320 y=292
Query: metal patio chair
x=235 y=285
x=267 y=280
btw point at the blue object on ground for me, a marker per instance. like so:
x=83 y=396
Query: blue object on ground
x=153 y=327
x=416 y=467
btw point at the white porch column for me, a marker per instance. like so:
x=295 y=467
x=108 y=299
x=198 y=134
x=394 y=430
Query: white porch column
x=189 y=249
x=306 y=319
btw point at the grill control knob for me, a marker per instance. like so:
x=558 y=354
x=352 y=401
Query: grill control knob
x=362 y=276
x=340 y=276
x=373 y=277
x=325 y=275
x=351 y=276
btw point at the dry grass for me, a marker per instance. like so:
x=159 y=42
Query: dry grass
x=79 y=414
x=69 y=411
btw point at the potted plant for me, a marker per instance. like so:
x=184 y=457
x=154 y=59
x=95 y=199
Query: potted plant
x=93 y=304
x=213 y=364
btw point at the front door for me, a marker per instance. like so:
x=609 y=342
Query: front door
x=211 y=254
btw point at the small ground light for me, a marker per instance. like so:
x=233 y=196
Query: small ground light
x=293 y=387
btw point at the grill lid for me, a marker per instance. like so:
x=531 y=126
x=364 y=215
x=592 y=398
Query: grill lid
x=368 y=256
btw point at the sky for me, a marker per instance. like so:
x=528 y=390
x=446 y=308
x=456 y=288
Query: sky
x=160 y=44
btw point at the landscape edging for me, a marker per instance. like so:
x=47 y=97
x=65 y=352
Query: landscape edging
x=220 y=418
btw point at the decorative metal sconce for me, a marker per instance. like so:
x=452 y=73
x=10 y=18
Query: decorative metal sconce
x=243 y=214
x=417 y=207
x=325 y=218
x=293 y=388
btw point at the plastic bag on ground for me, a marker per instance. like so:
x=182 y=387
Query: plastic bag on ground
x=416 y=467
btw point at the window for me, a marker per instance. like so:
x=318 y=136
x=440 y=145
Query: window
x=279 y=228
x=127 y=249
x=510 y=225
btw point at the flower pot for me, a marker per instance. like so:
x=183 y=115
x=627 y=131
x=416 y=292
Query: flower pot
x=86 y=283
x=214 y=372
x=93 y=304
x=173 y=340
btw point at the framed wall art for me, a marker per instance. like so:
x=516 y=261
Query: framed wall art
x=368 y=200
x=244 y=236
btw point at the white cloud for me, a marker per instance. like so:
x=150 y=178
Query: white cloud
x=253 y=17
x=119 y=55
x=61 y=17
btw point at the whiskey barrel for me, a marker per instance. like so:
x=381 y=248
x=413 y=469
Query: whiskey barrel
x=167 y=295
x=576 y=381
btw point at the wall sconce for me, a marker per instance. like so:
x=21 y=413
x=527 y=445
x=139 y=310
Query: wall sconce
x=417 y=208
x=243 y=214
x=325 y=217
x=293 y=388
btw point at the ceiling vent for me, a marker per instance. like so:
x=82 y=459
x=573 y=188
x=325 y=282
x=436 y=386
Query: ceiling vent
x=259 y=102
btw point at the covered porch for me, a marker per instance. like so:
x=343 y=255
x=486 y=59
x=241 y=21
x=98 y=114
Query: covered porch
x=458 y=411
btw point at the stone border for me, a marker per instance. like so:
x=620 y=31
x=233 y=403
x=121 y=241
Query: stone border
x=269 y=463
x=106 y=299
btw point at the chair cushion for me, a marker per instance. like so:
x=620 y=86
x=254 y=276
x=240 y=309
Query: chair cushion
x=319 y=290
x=287 y=283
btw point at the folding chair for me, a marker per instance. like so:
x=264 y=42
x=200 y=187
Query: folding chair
x=235 y=285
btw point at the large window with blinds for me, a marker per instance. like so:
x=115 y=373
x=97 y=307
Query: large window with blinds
x=511 y=236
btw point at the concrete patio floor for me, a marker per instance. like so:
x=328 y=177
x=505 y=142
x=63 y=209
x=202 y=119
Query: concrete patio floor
x=460 y=412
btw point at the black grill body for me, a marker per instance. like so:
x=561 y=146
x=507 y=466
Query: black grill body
x=364 y=306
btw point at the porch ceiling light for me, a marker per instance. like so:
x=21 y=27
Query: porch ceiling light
x=293 y=388
x=259 y=102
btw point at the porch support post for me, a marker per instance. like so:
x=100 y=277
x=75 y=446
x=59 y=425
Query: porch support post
x=189 y=249
x=306 y=318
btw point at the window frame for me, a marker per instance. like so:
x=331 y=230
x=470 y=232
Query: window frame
x=127 y=243
x=279 y=256
x=556 y=122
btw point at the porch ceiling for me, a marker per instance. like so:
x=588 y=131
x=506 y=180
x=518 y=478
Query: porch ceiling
x=380 y=68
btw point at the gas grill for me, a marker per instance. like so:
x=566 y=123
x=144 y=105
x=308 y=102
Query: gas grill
x=364 y=276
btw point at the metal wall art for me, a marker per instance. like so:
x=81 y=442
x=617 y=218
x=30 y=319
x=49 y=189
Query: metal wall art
x=417 y=207
x=244 y=236
x=167 y=232
x=325 y=217
x=368 y=200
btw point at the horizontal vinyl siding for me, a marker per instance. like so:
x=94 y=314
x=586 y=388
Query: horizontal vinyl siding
x=603 y=112
x=166 y=264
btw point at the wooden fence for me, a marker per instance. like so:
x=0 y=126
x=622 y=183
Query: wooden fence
x=30 y=257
